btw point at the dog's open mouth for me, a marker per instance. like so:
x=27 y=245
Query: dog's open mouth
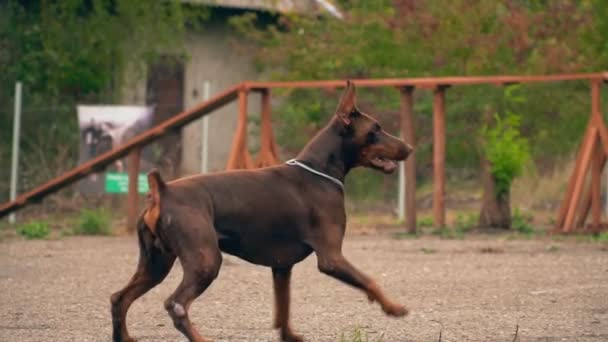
x=383 y=164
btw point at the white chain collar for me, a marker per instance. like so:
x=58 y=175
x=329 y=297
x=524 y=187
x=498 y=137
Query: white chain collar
x=310 y=169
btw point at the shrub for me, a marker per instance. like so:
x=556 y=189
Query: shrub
x=504 y=147
x=34 y=230
x=93 y=222
x=425 y=221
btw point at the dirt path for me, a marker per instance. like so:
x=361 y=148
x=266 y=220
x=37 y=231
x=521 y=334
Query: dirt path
x=472 y=290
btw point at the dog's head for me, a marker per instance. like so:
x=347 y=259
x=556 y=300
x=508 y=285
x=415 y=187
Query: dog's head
x=367 y=144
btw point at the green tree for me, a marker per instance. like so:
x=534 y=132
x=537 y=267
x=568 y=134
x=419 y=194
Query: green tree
x=385 y=38
x=77 y=51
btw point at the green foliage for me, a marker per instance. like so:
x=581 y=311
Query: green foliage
x=601 y=237
x=34 y=230
x=504 y=147
x=93 y=222
x=81 y=46
x=384 y=38
x=521 y=223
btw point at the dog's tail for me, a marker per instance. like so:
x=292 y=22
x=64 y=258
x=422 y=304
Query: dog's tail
x=152 y=213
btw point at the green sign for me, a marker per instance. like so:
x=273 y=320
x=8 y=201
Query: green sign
x=117 y=182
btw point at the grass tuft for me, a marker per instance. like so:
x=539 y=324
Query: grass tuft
x=34 y=230
x=93 y=222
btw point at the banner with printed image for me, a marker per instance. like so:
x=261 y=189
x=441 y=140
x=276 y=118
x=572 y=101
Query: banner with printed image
x=105 y=127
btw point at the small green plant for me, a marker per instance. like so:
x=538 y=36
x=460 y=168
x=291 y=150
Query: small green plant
x=359 y=335
x=449 y=233
x=93 y=222
x=520 y=223
x=34 y=230
x=552 y=248
x=428 y=250
x=425 y=221
x=466 y=222
x=601 y=237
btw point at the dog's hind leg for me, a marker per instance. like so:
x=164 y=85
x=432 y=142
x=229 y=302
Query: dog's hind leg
x=281 y=278
x=201 y=260
x=153 y=267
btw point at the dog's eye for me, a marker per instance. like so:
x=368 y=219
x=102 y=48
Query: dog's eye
x=372 y=138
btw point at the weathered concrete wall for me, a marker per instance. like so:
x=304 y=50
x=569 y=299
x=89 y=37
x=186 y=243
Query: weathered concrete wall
x=213 y=57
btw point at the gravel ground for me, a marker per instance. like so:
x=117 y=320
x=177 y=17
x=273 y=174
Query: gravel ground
x=478 y=289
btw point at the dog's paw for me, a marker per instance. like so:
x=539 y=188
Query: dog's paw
x=290 y=336
x=395 y=310
x=293 y=338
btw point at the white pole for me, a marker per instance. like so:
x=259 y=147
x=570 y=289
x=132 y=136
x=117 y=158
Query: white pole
x=401 y=201
x=15 y=156
x=401 y=191
x=205 y=133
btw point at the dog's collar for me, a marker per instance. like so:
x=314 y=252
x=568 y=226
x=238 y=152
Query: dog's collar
x=310 y=169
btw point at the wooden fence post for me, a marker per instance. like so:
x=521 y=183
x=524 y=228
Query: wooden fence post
x=133 y=195
x=439 y=156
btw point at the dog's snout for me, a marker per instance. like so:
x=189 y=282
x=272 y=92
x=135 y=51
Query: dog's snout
x=405 y=150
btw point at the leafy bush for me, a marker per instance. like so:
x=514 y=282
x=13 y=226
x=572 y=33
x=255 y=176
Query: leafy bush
x=504 y=147
x=93 y=222
x=34 y=230
x=425 y=221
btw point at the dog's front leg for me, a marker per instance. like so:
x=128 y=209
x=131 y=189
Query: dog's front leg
x=332 y=262
x=281 y=278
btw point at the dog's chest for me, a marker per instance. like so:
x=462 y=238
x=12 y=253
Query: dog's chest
x=269 y=251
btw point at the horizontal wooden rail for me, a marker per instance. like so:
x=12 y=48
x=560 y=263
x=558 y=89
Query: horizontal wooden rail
x=429 y=82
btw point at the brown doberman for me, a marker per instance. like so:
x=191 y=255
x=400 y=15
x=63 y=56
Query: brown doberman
x=275 y=216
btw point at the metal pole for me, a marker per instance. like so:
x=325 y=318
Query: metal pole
x=402 y=190
x=205 y=133
x=15 y=157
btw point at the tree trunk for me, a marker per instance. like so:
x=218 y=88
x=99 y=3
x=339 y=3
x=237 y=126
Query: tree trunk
x=495 y=210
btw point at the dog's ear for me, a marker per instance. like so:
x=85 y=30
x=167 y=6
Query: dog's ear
x=347 y=104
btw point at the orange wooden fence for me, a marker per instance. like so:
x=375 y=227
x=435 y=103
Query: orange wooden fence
x=571 y=216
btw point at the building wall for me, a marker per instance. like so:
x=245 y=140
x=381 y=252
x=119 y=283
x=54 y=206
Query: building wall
x=213 y=58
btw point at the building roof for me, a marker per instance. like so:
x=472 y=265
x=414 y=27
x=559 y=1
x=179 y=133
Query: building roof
x=282 y=6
